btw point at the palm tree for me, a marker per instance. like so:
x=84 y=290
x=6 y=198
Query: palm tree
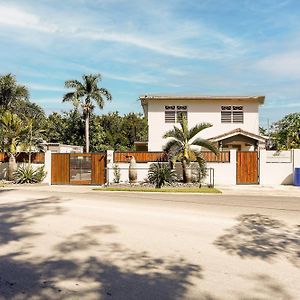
x=11 y=92
x=86 y=93
x=183 y=145
x=12 y=128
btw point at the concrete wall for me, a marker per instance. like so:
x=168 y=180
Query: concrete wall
x=199 y=111
x=272 y=171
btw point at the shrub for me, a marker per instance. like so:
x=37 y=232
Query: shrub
x=117 y=173
x=27 y=174
x=160 y=174
x=202 y=170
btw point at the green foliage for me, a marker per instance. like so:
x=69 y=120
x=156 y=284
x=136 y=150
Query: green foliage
x=117 y=173
x=27 y=174
x=160 y=173
x=110 y=131
x=84 y=95
x=184 y=146
x=202 y=170
x=12 y=128
x=286 y=132
x=11 y=92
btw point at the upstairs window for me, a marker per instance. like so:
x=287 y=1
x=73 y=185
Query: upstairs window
x=174 y=114
x=170 y=114
x=232 y=114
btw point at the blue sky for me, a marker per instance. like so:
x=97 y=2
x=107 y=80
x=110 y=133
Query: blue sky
x=221 y=47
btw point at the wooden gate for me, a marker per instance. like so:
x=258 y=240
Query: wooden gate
x=78 y=168
x=247 y=167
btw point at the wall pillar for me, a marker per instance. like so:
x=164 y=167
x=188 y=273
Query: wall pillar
x=109 y=166
x=47 y=166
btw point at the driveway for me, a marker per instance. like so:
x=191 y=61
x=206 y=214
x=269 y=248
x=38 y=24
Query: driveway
x=77 y=244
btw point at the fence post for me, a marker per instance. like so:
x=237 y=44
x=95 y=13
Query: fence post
x=109 y=165
x=47 y=166
x=233 y=164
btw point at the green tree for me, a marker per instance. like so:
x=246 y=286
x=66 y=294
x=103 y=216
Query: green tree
x=286 y=132
x=183 y=145
x=12 y=129
x=85 y=94
x=11 y=92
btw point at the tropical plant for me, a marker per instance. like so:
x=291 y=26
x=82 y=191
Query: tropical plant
x=201 y=171
x=183 y=145
x=160 y=173
x=32 y=140
x=11 y=92
x=26 y=173
x=117 y=173
x=85 y=94
x=12 y=128
x=286 y=132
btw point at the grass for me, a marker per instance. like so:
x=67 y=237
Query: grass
x=163 y=189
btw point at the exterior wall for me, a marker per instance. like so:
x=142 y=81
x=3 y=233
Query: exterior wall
x=199 y=111
x=271 y=173
x=274 y=173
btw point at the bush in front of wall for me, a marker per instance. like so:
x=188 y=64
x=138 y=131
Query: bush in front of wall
x=27 y=174
x=160 y=173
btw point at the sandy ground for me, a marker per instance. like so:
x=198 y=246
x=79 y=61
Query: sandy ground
x=59 y=243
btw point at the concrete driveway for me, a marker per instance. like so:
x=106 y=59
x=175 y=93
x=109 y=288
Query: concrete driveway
x=59 y=244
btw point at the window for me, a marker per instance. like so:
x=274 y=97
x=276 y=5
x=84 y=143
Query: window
x=170 y=114
x=232 y=114
x=174 y=114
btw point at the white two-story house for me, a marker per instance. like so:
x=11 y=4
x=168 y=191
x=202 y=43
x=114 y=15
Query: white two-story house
x=235 y=119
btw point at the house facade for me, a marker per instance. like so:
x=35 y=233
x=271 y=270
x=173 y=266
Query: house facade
x=235 y=119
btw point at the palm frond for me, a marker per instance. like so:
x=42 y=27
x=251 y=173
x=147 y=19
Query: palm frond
x=205 y=144
x=174 y=133
x=184 y=127
x=98 y=99
x=105 y=93
x=171 y=145
x=73 y=84
x=69 y=97
x=198 y=128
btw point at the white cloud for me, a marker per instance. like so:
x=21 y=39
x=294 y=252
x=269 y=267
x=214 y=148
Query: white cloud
x=283 y=65
x=44 y=87
x=168 y=41
x=14 y=16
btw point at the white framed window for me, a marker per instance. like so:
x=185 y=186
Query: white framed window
x=232 y=114
x=174 y=114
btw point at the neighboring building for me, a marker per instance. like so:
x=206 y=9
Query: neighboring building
x=235 y=119
x=61 y=148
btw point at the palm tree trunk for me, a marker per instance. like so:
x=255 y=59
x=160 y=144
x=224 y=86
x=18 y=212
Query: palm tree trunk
x=186 y=172
x=12 y=166
x=87 y=133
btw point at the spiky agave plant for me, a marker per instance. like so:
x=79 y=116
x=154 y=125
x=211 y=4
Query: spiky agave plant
x=160 y=173
x=27 y=174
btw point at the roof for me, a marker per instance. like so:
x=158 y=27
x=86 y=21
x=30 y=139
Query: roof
x=235 y=132
x=144 y=98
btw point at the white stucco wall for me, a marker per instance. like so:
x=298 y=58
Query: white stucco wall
x=199 y=111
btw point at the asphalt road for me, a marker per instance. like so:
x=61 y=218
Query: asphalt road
x=99 y=245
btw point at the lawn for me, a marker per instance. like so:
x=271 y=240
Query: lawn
x=164 y=189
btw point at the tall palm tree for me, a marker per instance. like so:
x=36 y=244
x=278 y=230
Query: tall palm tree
x=85 y=94
x=11 y=92
x=183 y=145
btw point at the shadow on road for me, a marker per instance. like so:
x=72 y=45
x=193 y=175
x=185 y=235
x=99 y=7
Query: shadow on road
x=82 y=266
x=260 y=236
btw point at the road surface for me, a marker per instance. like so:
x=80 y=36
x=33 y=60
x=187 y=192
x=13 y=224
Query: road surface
x=110 y=245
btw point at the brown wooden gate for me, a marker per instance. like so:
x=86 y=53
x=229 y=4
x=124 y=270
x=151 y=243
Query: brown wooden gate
x=247 y=167
x=78 y=168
